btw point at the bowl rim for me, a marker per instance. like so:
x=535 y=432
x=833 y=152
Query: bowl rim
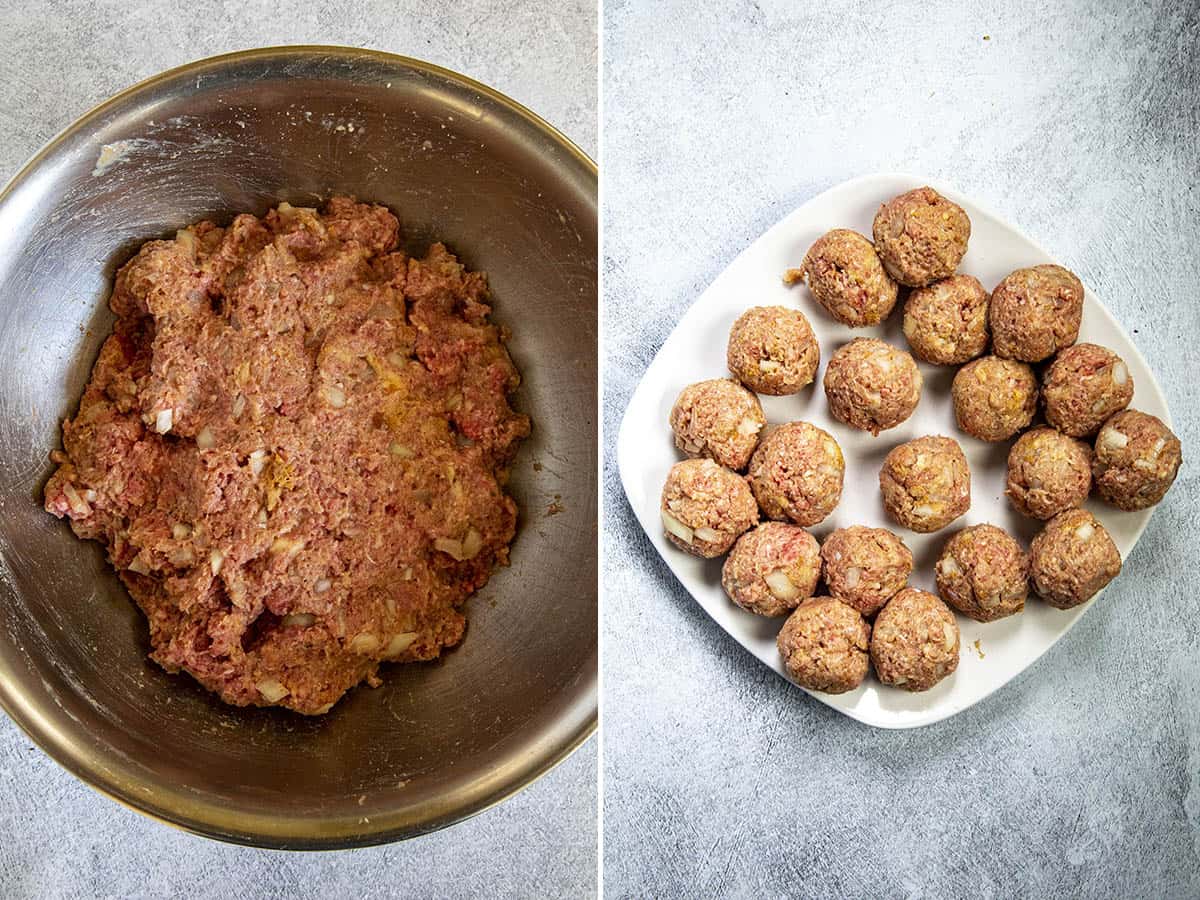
x=206 y=818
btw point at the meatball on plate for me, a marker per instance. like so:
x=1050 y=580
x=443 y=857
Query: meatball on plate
x=986 y=578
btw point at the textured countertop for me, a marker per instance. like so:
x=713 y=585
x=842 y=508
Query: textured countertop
x=1074 y=121
x=58 y=838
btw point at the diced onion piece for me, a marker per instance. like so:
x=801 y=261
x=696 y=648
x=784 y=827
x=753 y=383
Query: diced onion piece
x=262 y=517
x=139 y=565
x=181 y=531
x=215 y=559
x=397 y=359
x=336 y=396
x=781 y=586
x=1111 y=439
x=989 y=601
x=1120 y=374
x=1085 y=531
x=1146 y=465
x=711 y=535
x=364 y=643
x=1099 y=405
x=677 y=528
x=321 y=710
x=768 y=365
x=901 y=680
x=883 y=362
x=399 y=643
x=472 y=544
x=163 y=420
x=450 y=546
x=923 y=511
x=401 y=451
x=90 y=496
x=271 y=690
x=302 y=620
x=748 y=427
x=407 y=574
x=182 y=556
x=322 y=585
x=239 y=405
x=853 y=576
x=950 y=633
x=949 y=567
x=258 y=462
x=78 y=505
x=1154 y=452
x=205 y=439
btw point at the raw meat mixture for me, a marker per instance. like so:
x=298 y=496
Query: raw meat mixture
x=294 y=447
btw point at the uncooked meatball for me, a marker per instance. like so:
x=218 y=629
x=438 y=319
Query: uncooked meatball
x=921 y=236
x=772 y=350
x=1072 y=558
x=1035 y=312
x=983 y=573
x=865 y=567
x=719 y=419
x=872 y=385
x=824 y=646
x=1085 y=385
x=915 y=641
x=706 y=507
x=847 y=278
x=946 y=322
x=994 y=398
x=772 y=569
x=926 y=483
x=1136 y=461
x=1047 y=473
x=796 y=473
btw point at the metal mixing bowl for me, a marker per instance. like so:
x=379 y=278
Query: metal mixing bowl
x=457 y=162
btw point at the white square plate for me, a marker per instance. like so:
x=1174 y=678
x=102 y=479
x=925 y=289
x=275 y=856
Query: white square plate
x=992 y=654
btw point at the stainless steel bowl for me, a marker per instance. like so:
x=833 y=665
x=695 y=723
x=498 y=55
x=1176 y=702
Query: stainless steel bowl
x=456 y=161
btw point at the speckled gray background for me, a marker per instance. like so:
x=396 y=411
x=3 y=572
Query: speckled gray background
x=58 y=839
x=1078 y=122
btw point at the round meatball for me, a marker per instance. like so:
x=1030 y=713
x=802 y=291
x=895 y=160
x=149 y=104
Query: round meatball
x=824 y=646
x=872 y=385
x=719 y=419
x=1035 y=312
x=994 y=398
x=1047 y=473
x=772 y=569
x=926 y=483
x=847 y=278
x=915 y=641
x=796 y=473
x=1072 y=558
x=705 y=507
x=772 y=350
x=1085 y=385
x=865 y=567
x=921 y=236
x=1137 y=459
x=983 y=573
x=946 y=322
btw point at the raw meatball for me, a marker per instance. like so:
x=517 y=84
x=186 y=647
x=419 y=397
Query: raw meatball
x=772 y=569
x=865 y=567
x=915 y=641
x=1085 y=385
x=1048 y=472
x=1035 y=312
x=921 y=236
x=772 y=350
x=926 y=483
x=1072 y=558
x=824 y=646
x=796 y=473
x=706 y=507
x=946 y=322
x=994 y=398
x=983 y=573
x=1137 y=458
x=847 y=278
x=872 y=385
x=719 y=419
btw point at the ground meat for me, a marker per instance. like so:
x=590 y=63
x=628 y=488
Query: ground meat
x=1136 y=461
x=796 y=473
x=1047 y=473
x=1035 y=312
x=921 y=236
x=706 y=507
x=994 y=398
x=915 y=641
x=824 y=646
x=1085 y=385
x=872 y=385
x=847 y=278
x=772 y=569
x=865 y=567
x=983 y=573
x=772 y=350
x=946 y=322
x=719 y=419
x=926 y=483
x=1072 y=558
x=294 y=447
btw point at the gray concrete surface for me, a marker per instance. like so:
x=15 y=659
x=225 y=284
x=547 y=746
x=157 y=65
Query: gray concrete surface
x=58 y=839
x=1078 y=121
